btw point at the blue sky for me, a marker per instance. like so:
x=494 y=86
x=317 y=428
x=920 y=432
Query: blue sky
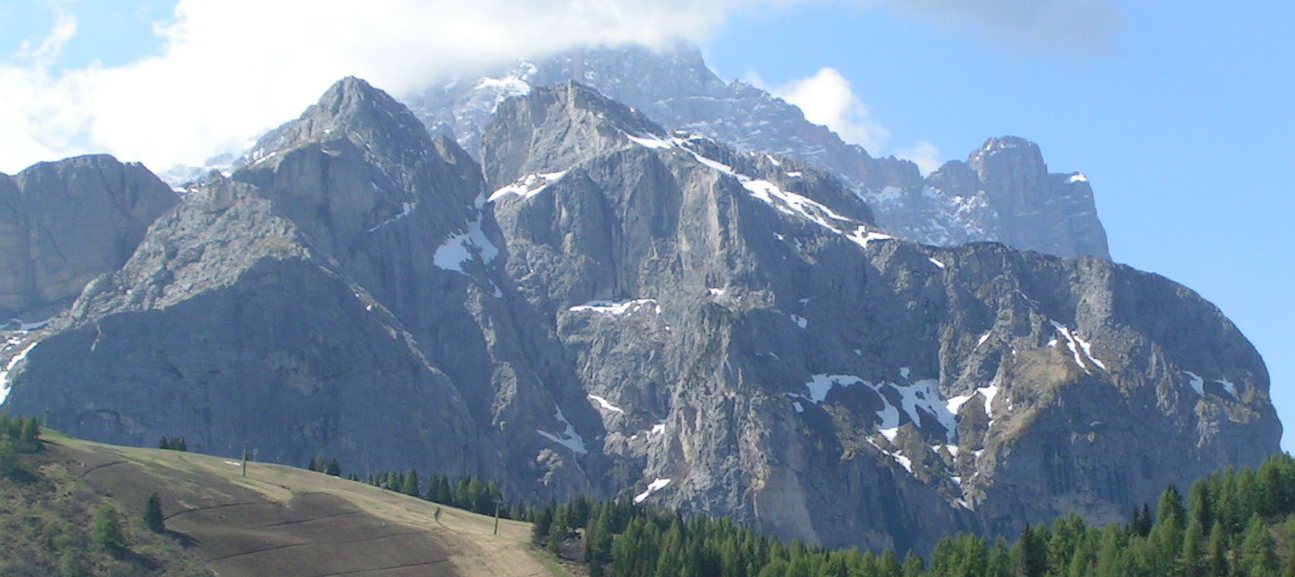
x=1180 y=115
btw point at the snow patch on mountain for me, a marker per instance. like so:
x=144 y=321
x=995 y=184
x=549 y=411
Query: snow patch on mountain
x=569 y=438
x=652 y=487
x=460 y=248
x=527 y=186
x=405 y=210
x=4 y=375
x=617 y=308
x=916 y=400
x=605 y=405
x=1079 y=348
x=1229 y=386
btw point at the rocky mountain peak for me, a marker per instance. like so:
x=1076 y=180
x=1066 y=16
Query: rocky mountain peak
x=1006 y=158
x=351 y=109
x=358 y=161
x=557 y=127
x=676 y=89
x=672 y=72
x=1033 y=204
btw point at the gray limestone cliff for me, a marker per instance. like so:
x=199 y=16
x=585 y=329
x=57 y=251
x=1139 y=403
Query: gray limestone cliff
x=761 y=354
x=64 y=223
x=229 y=328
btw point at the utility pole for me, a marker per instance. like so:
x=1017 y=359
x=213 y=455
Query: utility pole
x=244 y=459
x=496 y=518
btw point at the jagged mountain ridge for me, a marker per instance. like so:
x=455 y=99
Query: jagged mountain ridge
x=621 y=310
x=1002 y=193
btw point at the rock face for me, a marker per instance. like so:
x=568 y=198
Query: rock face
x=64 y=223
x=226 y=327
x=677 y=90
x=609 y=308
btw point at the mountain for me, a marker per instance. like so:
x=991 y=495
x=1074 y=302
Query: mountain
x=1003 y=192
x=607 y=307
x=65 y=223
x=237 y=325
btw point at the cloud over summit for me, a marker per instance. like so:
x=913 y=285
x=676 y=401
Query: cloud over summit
x=230 y=70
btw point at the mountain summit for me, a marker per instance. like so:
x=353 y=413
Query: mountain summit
x=675 y=88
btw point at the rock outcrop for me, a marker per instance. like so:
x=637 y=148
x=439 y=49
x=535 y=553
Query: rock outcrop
x=65 y=223
x=228 y=328
x=610 y=308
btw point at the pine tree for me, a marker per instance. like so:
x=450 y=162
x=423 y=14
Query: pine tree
x=153 y=518
x=1083 y=560
x=1189 y=560
x=1141 y=523
x=598 y=542
x=888 y=565
x=1200 y=505
x=913 y=565
x=1000 y=559
x=409 y=484
x=670 y=554
x=557 y=531
x=1216 y=552
x=1170 y=507
x=334 y=468
x=1258 y=551
x=29 y=437
x=1109 y=562
x=106 y=531
x=1029 y=556
x=541 y=525
x=8 y=458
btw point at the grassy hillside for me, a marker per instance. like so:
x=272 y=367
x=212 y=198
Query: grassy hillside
x=275 y=521
x=52 y=522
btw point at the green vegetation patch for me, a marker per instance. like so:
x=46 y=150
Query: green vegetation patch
x=53 y=524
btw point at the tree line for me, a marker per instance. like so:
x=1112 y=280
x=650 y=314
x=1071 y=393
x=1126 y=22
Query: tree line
x=1236 y=523
x=465 y=492
x=18 y=436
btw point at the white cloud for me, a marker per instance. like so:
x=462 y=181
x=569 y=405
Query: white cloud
x=1083 y=26
x=827 y=98
x=46 y=53
x=234 y=68
x=925 y=155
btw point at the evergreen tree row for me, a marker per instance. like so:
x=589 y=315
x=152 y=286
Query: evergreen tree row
x=1232 y=524
x=1236 y=523
x=18 y=435
x=328 y=467
x=173 y=444
x=22 y=433
x=468 y=493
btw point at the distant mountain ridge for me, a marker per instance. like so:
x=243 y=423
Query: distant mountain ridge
x=603 y=306
x=1002 y=193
